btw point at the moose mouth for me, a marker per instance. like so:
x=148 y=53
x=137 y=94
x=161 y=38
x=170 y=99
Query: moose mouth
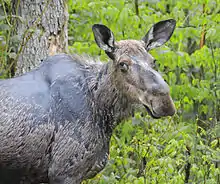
x=152 y=113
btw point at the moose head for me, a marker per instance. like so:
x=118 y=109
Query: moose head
x=133 y=67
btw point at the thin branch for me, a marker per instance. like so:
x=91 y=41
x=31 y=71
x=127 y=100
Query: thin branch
x=202 y=39
x=136 y=7
x=187 y=166
x=214 y=88
x=137 y=11
x=6 y=15
x=192 y=26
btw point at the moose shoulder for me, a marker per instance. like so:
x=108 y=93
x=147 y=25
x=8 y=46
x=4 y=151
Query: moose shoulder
x=56 y=121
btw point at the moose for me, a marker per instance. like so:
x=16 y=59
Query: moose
x=56 y=120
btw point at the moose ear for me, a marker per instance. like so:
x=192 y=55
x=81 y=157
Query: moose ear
x=103 y=37
x=159 y=33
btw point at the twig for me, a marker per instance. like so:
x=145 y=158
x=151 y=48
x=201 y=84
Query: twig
x=137 y=11
x=187 y=166
x=202 y=39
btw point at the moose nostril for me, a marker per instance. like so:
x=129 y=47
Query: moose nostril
x=168 y=111
x=172 y=112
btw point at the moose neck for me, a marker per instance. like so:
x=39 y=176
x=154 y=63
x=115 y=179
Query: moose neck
x=110 y=102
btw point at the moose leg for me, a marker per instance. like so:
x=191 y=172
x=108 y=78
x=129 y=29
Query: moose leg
x=62 y=180
x=60 y=172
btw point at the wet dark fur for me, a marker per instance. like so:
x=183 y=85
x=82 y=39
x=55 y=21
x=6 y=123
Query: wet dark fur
x=56 y=121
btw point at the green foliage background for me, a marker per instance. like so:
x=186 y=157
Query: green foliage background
x=181 y=149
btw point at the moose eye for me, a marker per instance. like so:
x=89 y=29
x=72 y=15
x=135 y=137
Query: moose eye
x=123 y=66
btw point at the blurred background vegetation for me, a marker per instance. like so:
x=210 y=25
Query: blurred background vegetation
x=181 y=149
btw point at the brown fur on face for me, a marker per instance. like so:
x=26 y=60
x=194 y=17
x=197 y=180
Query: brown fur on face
x=141 y=83
x=132 y=68
x=132 y=48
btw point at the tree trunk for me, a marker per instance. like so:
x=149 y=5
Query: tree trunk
x=42 y=29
